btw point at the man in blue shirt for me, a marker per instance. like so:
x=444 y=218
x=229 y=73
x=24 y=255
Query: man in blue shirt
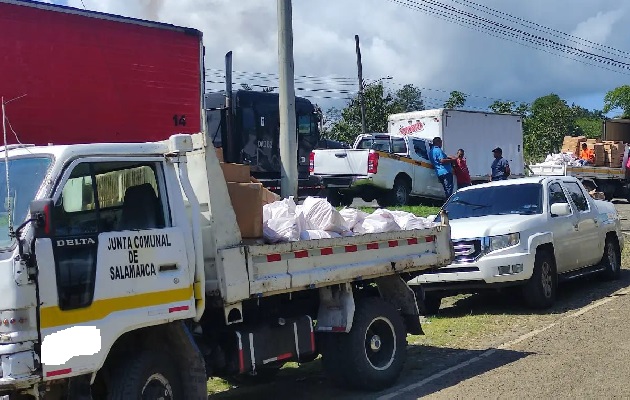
x=500 y=166
x=443 y=166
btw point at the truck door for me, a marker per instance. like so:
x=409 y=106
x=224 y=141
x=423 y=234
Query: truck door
x=591 y=243
x=114 y=263
x=565 y=234
x=425 y=181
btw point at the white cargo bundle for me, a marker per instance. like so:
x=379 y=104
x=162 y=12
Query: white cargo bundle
x=316 y=218
x=567 y=158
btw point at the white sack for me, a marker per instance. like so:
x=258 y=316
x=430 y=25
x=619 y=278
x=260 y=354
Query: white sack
x=379 y=221
x=321 y=215
x=352 y=217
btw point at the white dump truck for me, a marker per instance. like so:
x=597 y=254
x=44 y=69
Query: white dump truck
x=124 y=275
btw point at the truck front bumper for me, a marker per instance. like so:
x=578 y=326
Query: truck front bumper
x=19 y=366
x=489 y=271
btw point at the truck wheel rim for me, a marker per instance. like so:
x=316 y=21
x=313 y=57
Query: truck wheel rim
x=612 y=257
x=157 y=387
x=401 y=195
x=547 y=279
x=380 y=343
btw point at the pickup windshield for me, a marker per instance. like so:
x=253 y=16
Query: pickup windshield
x=25 y=177
x=522 y=199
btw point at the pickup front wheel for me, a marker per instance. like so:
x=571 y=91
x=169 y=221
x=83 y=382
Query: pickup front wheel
x=540 y=290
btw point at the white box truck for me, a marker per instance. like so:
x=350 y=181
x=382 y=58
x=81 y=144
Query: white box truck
x=476 y=132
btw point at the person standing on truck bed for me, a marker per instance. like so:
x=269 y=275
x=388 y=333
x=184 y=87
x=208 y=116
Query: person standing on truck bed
x=500 y=166
x=443 y=165
x=460 y=169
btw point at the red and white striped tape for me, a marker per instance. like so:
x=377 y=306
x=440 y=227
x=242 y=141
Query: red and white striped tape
x=327 y=251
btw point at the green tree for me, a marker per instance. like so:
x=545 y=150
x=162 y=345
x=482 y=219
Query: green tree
x=550 y=119
x=509 y=107
x=409 y=98
x=456 y=100
x=588 y=122
x=344 y=125
x=618 y=98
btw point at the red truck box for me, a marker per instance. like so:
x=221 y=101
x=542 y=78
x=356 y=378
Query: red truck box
x=90 y=77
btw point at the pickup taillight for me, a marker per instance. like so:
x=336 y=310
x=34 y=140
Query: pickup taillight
x=311 y=162
x=372 y=163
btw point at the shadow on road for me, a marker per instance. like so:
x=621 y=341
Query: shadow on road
x=308 y=381
x=572 y=295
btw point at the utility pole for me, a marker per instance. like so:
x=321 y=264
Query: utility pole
x=360 y=72
x=232 y=152
x=288 y=130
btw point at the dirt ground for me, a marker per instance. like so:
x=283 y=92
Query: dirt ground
x=576 y=349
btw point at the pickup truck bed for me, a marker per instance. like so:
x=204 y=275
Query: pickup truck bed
x=288 y=267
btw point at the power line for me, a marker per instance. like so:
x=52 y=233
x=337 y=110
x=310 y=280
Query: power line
x=518 y=31
x=340 y=78
x=536 y=26
x=505 y=32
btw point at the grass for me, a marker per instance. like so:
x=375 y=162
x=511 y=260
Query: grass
x=420 y=211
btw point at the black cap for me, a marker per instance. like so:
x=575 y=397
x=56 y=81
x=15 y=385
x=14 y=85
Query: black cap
x=498 y=149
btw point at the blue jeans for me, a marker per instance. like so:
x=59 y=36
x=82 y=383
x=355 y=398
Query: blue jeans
x=447 y=183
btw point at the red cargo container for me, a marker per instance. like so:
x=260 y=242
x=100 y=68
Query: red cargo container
x=90 y=77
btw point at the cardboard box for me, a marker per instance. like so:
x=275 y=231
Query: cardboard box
x=267 y=195
x=236 y=172
x=247 y=203
x=600 y=154
x=571 y=144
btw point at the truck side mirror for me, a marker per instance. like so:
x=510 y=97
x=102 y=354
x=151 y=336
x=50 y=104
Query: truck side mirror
x=41 y=216
x=560 y=209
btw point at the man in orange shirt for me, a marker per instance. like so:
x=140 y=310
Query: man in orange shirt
x=587 y=155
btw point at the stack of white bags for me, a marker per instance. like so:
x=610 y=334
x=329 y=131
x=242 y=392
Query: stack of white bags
x=562 y=159
x=316 y=218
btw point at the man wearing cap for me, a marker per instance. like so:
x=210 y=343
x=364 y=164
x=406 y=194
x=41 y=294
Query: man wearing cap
x=500 y=166
x=443 y=165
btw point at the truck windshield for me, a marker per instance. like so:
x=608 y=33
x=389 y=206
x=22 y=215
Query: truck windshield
x=25 y=177
x=381 y=144
x=522 y=199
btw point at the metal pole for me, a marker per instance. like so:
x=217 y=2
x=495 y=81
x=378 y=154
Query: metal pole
x=360 y=72
x=232 y=153
x=288 y=130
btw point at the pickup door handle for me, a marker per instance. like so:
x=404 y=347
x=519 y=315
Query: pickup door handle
x=341 y=155
x=575 y=226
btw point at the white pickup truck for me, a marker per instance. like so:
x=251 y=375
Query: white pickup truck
x=529 y=232
x=124 y=276
x=382 y=167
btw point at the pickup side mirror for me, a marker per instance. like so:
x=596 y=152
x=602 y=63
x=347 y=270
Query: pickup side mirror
x=560 y=209
x=41 y=216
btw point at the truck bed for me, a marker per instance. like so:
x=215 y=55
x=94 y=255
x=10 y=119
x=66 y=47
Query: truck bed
x=578 y=172
x=340 y=162
x=288 y=267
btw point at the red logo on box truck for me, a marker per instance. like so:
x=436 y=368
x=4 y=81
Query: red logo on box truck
x=408 y=130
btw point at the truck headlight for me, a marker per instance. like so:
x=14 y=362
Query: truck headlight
x=503 y=241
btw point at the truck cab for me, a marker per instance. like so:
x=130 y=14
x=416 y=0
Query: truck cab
x=255 y=135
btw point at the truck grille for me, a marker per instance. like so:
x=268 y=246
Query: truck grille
x=467 y=251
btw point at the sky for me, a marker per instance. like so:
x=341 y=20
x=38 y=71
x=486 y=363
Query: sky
x=402 y=39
